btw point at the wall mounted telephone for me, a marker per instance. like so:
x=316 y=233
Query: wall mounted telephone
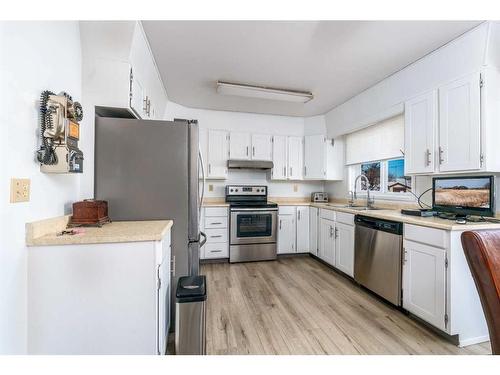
x=60 y=132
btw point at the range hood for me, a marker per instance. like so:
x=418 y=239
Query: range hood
x=249 y=164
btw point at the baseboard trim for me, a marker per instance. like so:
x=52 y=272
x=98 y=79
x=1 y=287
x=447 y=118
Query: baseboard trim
x=473 y=341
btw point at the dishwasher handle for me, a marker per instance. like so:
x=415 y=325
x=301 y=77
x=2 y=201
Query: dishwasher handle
x=394 y=227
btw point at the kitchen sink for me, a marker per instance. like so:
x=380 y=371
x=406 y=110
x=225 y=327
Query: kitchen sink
x=357 y=208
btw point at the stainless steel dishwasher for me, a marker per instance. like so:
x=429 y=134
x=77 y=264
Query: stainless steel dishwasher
x=378 y=247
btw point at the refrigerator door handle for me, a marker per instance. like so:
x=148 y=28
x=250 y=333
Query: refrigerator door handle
x=204 y=239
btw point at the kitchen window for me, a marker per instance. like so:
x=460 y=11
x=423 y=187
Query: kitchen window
x=386 y=178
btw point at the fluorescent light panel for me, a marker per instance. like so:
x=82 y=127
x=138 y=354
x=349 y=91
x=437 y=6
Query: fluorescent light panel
x=261 y=92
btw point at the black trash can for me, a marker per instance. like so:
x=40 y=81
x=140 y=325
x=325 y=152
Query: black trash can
x=190 y=308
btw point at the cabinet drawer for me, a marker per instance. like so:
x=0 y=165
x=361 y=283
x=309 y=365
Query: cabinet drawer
x=215 y=211
x=286 y=210
x=425 y=235
x=216 y=235
x=214 y=222
x=327 y=214
x=345 y=218
x=216 y=250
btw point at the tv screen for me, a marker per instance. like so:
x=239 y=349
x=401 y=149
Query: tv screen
x=464 y=195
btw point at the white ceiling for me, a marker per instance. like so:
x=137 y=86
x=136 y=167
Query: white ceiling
x=335 y=60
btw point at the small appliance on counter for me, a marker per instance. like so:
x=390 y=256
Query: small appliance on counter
x=89 y=213
x=319 y=197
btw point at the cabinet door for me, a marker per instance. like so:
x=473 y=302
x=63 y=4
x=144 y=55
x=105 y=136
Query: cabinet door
x=137 y=96
x=314 y=157
x=303 y=229
x=295 y=158
x=424 y=282
x=239 y=146
x=217 y=154
x=286 y=234
x=262 y=147
x=421 y=118
x=313 y=230
x=335 y=161
x=344 y=248
x=459 y=125
x=327 y=241
x=279 y=157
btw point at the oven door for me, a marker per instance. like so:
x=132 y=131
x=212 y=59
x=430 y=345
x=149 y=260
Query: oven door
x=253 y=225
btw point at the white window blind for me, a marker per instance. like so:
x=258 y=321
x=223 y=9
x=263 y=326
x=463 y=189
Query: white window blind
x=383 y=140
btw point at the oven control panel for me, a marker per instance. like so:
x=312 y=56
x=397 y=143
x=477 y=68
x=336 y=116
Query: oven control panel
x=246 y=190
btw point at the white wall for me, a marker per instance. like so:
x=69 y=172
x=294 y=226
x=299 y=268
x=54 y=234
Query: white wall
x=27 y=67
x=254 y=123
x=459 y=57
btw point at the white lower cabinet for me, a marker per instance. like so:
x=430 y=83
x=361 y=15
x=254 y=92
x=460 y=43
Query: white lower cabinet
x=303 y=229
x=313 y=230
x=287 y=230
x=424 y=282
x=327 y=241
x=344 y=248
x=216 y=228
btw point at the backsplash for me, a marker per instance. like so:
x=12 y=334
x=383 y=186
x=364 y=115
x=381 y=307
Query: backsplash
x=275 y=188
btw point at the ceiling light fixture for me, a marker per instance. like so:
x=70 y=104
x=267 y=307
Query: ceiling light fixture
x=262 y=92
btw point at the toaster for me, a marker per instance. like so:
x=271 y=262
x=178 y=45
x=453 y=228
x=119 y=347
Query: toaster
x=89 y=212
x=319 y=197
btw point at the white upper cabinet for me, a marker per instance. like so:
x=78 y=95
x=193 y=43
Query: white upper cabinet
x=280 y=161
x=303 y=229
x=262 y=147
x=421 y=116
x=443 y=129
x=295 y=158
x=314 y=160
x=323 y=158
x=217 y=154
x=239 y=146
x=460 y=125
x=246 y=146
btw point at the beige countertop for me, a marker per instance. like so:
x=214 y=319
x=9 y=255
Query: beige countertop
x=395 y=215
x=44 y=232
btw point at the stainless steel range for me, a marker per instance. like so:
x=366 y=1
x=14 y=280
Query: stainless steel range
x=252 y=225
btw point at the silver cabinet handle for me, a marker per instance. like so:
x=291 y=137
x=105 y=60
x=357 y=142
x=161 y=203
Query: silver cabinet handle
x=427 y=157
x=218 y=236
x=331 y=231
x=216 y=251
x=441 y=151
x=284 y=171
x=253 y=151
x=298 y=213
x=305 y=170
x=280 y=224
x=215 y=223
x=291 y=174
x=209 y=168
x=247 y=150
x=336 y=232
x=404 y=255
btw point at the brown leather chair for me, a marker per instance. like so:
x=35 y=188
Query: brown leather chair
x=482 y=251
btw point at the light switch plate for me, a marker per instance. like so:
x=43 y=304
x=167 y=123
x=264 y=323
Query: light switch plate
x=20 y=190
x=210 y=187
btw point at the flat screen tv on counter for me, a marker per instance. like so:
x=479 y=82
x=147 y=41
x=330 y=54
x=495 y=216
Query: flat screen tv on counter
x=471 y=195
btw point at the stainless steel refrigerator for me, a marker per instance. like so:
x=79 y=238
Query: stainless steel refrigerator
x=148 y=170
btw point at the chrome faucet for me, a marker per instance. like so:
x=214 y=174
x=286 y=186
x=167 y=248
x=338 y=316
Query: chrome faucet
x=350 y=202
x=369 y=201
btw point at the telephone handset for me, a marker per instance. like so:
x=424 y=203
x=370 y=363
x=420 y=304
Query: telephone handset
x=60 y=132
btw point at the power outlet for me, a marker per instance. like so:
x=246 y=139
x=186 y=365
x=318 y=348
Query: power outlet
x=20 y=190
x=210 y=187
x=295 y=188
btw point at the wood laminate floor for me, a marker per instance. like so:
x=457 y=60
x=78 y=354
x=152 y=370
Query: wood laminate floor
x=297 y=305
